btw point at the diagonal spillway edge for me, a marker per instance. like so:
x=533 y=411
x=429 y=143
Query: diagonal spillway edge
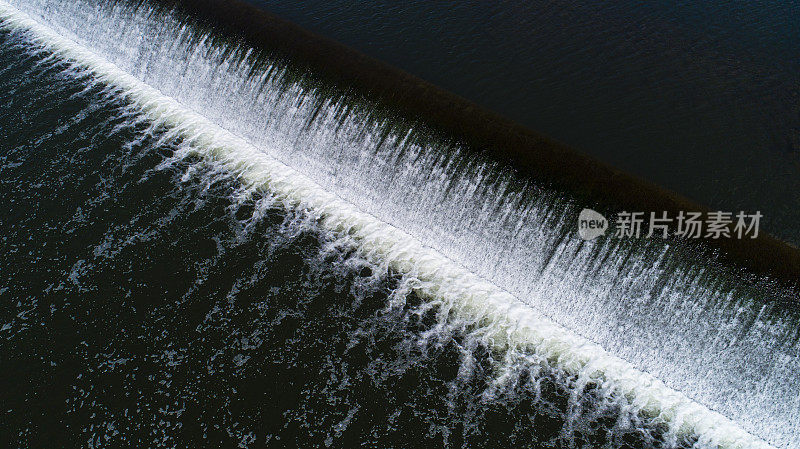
x=509 y=321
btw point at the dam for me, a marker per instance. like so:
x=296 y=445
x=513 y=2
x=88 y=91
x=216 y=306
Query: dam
x=663 y=342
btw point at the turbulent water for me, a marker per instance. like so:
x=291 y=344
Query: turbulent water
x=202 y=248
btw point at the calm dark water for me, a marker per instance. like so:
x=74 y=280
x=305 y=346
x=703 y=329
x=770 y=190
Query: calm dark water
x=700 y=97
x=147 y=303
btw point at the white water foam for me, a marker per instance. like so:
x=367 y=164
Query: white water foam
x=508 y=320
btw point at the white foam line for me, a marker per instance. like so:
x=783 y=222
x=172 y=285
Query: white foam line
x=508 y=321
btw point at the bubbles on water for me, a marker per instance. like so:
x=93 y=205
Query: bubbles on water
x=468 y=211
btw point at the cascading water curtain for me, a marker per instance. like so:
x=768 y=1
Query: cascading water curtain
x=685 y=348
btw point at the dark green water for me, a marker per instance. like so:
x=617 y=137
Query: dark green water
x=701 y=97
x=147 y=303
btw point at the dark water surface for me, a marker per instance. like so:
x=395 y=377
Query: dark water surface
x=700 y=97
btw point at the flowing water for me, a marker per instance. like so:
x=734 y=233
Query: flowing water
x=202 y=248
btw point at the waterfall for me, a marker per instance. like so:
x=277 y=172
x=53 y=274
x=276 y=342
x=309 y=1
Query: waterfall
x=663 y=325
